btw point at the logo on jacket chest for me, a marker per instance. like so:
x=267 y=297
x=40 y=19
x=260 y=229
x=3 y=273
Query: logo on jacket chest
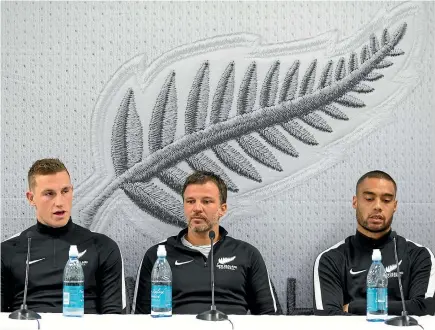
x=392 y=270
x=82 y=262
x=224 y=263
x=80 y=255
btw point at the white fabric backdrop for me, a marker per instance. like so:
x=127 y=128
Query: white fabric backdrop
x=58 y=59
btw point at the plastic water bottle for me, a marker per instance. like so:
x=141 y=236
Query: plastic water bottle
x=377 y=290
x=73 y=283
x=161 y=286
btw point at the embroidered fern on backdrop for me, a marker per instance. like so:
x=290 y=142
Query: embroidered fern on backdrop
x=258 y=115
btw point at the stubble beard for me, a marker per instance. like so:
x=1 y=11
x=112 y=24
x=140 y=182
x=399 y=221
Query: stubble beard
x=364 y=223
x=206 y=227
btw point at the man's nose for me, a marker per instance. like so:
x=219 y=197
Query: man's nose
x=59 y=200
x=378 y=204
x=197 y=207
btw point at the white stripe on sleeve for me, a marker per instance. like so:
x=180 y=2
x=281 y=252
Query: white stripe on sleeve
x=317 y=288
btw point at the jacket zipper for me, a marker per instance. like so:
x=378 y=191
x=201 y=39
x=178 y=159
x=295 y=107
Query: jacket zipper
x=54 y=252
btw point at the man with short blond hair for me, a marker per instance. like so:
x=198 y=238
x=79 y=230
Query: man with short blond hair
x=44 y=167
x=51 y=193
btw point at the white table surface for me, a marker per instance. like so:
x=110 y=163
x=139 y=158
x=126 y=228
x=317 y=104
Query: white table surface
x=51 y=321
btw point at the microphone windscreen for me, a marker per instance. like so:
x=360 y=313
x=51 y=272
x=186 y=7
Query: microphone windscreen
x=211 y=234
x=29 y=234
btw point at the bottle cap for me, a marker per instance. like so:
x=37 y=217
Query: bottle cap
x=73 y=252
x=161 y=251
x=376 y=255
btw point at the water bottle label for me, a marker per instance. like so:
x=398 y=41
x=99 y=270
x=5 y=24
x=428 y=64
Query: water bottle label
x=73 y=296
x=377 y=300
x=161 y=296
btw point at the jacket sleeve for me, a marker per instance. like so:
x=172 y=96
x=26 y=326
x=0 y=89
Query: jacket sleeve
x=261 y=299
x=142 y=292
x=420 y=300
x=112 y=297
x=328 y=285
x=6 y=285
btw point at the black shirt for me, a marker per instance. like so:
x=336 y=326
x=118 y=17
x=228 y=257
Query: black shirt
x=99 y=255
x=241 y=279
x=340 y=275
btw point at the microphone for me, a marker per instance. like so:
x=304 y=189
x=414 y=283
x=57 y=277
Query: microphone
x=23 y=313
x=404 y=320
x=213 y=314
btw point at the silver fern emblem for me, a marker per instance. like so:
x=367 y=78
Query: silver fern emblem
x=224 y=261
x=392 y=268
x=232 y=126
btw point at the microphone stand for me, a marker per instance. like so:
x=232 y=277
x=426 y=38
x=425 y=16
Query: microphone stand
x=23 y=313
x=403 y=320
x=213 y=314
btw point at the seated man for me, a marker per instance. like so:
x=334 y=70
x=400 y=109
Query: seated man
x=340 y=272
x=51 y=193
x=241 y=279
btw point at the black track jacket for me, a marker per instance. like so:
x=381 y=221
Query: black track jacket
x=340 y=275
x=241 y=279
x=99 y=255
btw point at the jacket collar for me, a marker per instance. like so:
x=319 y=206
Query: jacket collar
x=222 y=233
x=51 y=231
x=371 y=243
x=176 y=240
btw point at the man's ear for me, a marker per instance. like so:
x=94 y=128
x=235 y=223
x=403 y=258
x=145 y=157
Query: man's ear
x=354 y=202
x=29 y=196
x=223 y=210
